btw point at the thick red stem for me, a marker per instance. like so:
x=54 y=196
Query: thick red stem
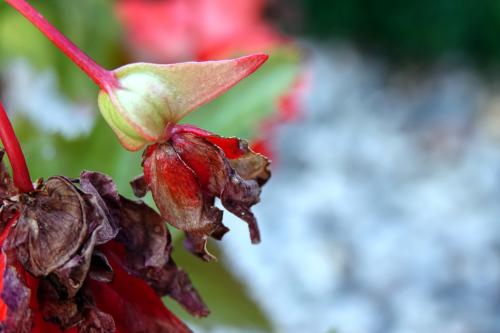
x=20 y=171
x=103 y=78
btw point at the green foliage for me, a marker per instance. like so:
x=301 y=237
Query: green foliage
x=410 y=29
x=225 y=296
x=100 y=151
x=100 y=39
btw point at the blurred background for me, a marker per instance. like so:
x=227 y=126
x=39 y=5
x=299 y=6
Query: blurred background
x=383 y=122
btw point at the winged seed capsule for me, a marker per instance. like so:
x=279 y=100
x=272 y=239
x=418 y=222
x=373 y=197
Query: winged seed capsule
x=151 y=96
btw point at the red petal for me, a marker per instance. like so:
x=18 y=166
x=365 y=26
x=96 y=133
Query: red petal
x=201 y=29
x=135 y=307
x=179 y=197
x=232 y=147
x=205 y=159
x=174 y=187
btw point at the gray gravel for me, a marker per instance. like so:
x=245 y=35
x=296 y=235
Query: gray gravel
x=383 y=214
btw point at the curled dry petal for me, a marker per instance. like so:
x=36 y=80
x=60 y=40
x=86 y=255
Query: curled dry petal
x=100 y=268
x=96 y=321
x=85 y=242
x=51 y=228
x=134 y=305
x=139 y=186
x=105 y=199
x=71 y=276
x=148 y=247
x=59 y=310
x=145 y=250
x=78 y=311
x=251 y=166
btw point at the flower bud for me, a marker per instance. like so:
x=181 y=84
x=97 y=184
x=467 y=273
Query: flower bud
x=151 y=96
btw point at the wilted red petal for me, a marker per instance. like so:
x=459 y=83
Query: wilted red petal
x=145 y=251
x=230 y=146
x=205 y=159
x=174 y=186
x=235 y=182
x=134 y=306
x=247 y=164
x=177 y=193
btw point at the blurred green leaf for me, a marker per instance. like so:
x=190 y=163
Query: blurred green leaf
x=100 y=39
x=20 y=39
x=92 y=26
x=229 y=302
x=240 y=111
x=100 y=151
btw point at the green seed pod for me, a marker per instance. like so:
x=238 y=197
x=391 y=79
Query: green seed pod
x=151 y=96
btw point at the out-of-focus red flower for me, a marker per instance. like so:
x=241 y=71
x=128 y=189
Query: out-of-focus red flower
x=289 y=109
x=178 y=30
x=175 y=30
x=190 y=169
x=83 y=259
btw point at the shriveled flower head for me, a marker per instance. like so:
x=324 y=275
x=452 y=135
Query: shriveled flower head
x=78 y=257
x=187 y=172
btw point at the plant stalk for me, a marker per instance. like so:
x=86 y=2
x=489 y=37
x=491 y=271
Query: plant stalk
x=20 y=171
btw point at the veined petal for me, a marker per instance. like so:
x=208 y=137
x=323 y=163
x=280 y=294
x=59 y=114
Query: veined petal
x=205 y=159
x=248 y=164
x=134 y=306
x=174 y=187
x=177 y=192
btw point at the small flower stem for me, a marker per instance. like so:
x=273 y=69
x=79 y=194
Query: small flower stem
x=20 y=171
x=103 y=78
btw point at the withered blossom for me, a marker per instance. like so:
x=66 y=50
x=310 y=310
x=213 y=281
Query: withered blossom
x=78 y=257
x=193 y=167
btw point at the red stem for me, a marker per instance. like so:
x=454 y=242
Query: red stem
x=20 y=171
x=103 y=78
